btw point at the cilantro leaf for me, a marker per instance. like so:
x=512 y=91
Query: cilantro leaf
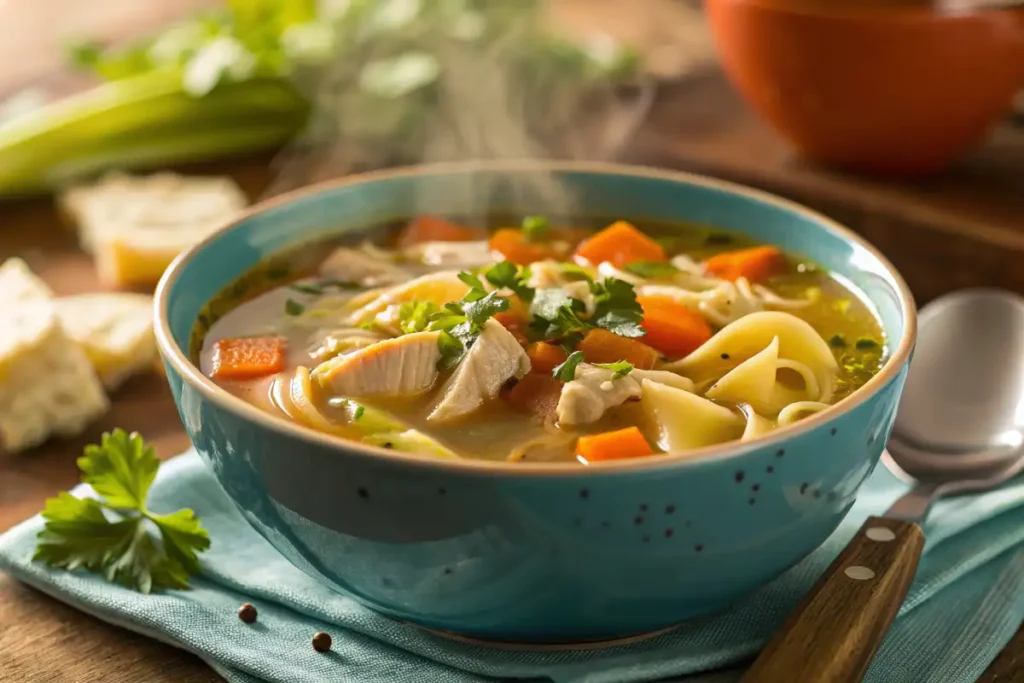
x=506 y=275
x=651 y=269
x=112 y=536
x=476 y=288
x=481 y=310
x=535 y=228
x=616 y=308
x=619 y=368
x=566 y=372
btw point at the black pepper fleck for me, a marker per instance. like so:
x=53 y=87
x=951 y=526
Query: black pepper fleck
x=363 y=493
x=247 y=613
x=322 y=642
x=769 y=469
x=755 y=488
x=725 y=356
x=388 y=444
x=698 y=547
x=638 y=520
x=779 y=453
x=739 y=476
x=584 y=493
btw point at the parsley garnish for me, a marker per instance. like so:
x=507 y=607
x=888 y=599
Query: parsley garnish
x=566 y=372
x=506 y=275
x=461 y=322
x=535 y=228
x=556 y=315
x=651 y=269
x=866 y=343
x=616 y=308
x=113 y=536
x=358 y=414
x=619 y=368
x=293 y=307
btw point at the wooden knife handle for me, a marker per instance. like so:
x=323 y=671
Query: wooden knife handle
x=834 y=632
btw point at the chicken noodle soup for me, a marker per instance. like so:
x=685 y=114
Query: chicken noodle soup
x=541 y=342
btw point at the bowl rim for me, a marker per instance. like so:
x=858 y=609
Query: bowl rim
x=191 y=374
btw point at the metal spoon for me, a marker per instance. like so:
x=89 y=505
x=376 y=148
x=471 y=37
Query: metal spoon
x=959 y=428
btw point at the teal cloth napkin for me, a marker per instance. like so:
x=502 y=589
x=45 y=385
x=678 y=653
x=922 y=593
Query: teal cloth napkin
x=966 y=604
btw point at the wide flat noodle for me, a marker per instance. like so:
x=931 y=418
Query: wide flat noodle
x=756 y=382
x=686 y=421
x=745 y=338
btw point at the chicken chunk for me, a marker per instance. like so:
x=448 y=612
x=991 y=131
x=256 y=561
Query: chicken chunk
x=494 y=359
x=355 y=265
x=405 y=366
x=593 y=391
x=452 y=254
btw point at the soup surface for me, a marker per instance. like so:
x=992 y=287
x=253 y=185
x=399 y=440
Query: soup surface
x=541 y=342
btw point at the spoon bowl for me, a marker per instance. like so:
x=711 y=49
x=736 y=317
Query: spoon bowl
x=959 y=428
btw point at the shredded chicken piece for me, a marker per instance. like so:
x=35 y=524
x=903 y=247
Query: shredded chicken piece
x=404 y=366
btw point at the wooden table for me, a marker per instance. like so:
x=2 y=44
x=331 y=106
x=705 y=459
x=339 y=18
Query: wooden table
x=964 y=228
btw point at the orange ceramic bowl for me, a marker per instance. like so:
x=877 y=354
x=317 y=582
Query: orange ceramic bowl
x=876 y=85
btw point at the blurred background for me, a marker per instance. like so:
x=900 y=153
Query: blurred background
x=896 y=117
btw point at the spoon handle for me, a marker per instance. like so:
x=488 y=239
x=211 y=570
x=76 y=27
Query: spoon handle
x=832 y=635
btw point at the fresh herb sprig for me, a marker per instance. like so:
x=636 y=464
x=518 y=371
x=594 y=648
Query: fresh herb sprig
x=556 y=315
x=619 y=368
x=461 y=322
x=566 y=372
x=113 y=535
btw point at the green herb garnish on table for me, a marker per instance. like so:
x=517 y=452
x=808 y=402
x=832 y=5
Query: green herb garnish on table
x=116 y=534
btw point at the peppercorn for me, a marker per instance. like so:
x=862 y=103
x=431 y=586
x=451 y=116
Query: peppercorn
x=247 y=613
x=322 y=642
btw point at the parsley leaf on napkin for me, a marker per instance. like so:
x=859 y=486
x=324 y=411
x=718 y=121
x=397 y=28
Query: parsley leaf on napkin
x=114 y=536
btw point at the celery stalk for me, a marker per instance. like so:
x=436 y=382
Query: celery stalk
x=143 y=121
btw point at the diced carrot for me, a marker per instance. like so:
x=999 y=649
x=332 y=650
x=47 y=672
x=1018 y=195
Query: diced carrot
x=602 y=346
x=536 y=394
x=617 y=445
x=514 y=322
x=620 y=243
x=512 y=244
x=434 y=229
x=248 y=357
x=545 y=357
x=757 y=264
x=672 y=328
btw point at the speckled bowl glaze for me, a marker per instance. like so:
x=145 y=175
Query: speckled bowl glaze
x=532 y=552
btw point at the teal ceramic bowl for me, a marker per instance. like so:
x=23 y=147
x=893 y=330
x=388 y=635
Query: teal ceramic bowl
x=531 y=552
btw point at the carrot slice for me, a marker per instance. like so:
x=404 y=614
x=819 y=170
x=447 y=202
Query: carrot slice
x=672 y=328
x=512 y=244
x=536 y=394
x=248 y=357
x=757 y=264
x=434 y=229
x=545 y=357
x=602 y=346
x=620 y=243
x=617 y=445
